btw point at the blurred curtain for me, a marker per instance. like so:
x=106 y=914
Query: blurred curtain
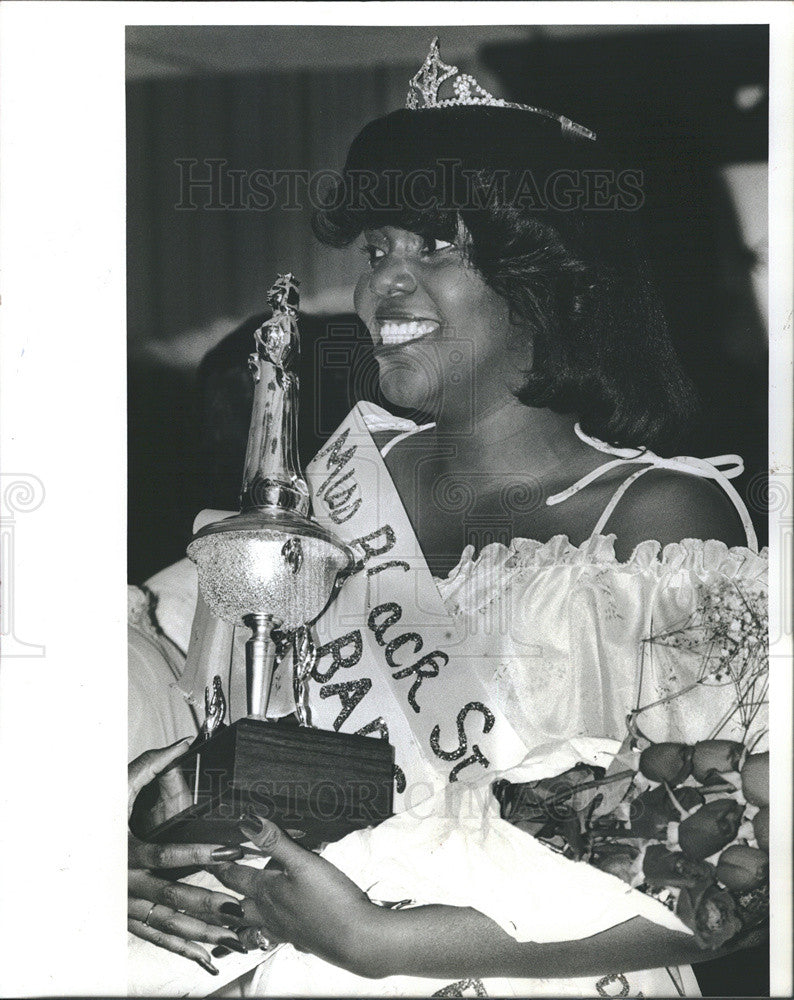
x=187 y=268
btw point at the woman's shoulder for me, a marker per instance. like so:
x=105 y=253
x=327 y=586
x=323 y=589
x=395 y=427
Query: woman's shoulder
x=668 y=506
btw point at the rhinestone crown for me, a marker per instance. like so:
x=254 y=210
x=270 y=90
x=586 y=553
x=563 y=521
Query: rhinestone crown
x=425 y=85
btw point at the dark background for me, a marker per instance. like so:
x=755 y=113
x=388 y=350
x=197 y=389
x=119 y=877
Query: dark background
x=682 y=102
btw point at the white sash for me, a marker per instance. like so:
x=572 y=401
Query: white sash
x=391 y=660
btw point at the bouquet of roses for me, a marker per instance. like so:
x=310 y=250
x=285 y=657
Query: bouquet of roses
x=685 y=823
x=691 y=829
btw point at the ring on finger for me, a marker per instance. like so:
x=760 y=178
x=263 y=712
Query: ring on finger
x=151 y=911
x=261 y=940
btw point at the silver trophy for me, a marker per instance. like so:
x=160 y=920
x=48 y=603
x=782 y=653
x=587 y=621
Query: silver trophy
x=273 y=568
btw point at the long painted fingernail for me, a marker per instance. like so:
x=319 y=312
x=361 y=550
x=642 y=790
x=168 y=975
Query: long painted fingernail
x=250 y=830
x=208 y=966
x=251 y=818
x=220 y=952
x=233 y=944
x=226 y=854
x=185 y=739
x=232 y=910
x=252 y=825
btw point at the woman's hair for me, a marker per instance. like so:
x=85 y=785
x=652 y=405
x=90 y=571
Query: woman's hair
x=550 y=228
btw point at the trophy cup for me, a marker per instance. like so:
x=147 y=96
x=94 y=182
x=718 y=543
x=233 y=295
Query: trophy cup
x=273 y=569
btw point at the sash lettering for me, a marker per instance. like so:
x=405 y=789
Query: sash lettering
x=476 y=756
x=427 y=666
x=335 y=647
x=405 y=639
x=395 y=613
x=350 y=694
x=389 y=540
x=392 y=564
x=429 y=661
x=343 y=500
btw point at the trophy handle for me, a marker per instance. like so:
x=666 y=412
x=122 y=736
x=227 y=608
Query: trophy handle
x=354 y=566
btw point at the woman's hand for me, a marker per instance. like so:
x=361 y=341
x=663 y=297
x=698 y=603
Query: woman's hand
x=174 y=915
x=303 y=899
x=306 y=901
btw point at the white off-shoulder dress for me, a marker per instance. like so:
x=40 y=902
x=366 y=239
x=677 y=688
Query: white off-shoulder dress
x=573 y=639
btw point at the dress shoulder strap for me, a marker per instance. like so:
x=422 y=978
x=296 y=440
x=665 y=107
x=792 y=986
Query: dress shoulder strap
x=377 y=421
x=720 y=468
x=402 y=436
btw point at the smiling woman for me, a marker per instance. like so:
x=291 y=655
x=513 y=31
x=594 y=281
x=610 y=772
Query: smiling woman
x=425 y=307
x=513 y=196
x=519 y=543
x=508 y=298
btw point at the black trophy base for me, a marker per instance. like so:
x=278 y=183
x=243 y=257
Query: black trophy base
x=315 y=784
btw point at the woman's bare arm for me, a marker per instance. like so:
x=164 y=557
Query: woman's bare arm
x=441 y=941
x=310 y=903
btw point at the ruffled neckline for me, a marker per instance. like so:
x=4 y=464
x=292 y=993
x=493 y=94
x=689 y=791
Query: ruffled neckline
x=694 y=554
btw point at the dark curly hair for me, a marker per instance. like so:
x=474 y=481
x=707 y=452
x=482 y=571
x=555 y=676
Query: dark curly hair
x=565 y=256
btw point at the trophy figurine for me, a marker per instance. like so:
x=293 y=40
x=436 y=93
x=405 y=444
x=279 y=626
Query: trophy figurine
x=272 y=569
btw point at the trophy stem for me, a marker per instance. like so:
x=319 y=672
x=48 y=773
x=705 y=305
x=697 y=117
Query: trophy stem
x=260 y=654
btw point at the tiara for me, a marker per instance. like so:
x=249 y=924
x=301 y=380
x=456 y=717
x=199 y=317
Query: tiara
x=425 y=85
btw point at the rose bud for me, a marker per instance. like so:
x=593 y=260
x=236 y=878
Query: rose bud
x=716 y=780
x=670 y=762
x=710 y=829
x=761 y=827
x=673 y=868
x=651 y=812
x=687 y=797
x=755 y=779
x=742 y=868
x=619 y=860
x=710 y=912
x=715 y=755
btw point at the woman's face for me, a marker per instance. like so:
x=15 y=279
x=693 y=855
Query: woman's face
x=442 y=338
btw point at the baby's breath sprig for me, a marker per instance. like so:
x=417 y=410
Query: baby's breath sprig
x=728 y=631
